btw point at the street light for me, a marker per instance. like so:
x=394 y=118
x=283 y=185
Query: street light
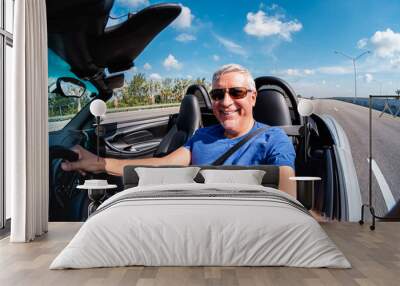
x=354 y=59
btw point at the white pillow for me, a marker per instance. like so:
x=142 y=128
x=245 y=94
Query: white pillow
x=248 y=177
x=166 y=176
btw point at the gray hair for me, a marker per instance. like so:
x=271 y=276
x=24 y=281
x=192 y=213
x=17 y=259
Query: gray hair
x=235 y=68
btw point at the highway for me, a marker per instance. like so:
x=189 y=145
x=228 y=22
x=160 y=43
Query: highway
x=386 y=149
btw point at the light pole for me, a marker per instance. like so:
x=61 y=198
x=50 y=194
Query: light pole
x=354 y=59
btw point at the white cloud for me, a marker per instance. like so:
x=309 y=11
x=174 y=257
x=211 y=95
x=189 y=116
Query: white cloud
x=184 y=19
x=171 y=62
x=273 y=7
x=231 y=46
x=362 y=43
x=155 y=76
x=189 y=76
x=185 y=37
x=387 y=46
x=387 y=43
x=324 y=82
x=261 y=25
x=292 y=72
x=215 y=58
x=368 y=77
x=328 y=70
x=297 y=72
x=395 y=62
x=147 y=66
x=337 y=86
x=335 y=70
x=308 y=72
x=132 y=3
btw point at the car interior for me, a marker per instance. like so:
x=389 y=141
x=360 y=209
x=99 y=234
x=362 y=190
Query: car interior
x=87 y=51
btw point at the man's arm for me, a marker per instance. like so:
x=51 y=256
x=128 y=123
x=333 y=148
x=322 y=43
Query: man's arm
x=286 y=185
x=88 y=162
x=180 y=157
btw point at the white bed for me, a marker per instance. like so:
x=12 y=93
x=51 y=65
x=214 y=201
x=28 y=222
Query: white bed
x=222 y=224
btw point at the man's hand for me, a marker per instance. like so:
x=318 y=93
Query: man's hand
x=87 y=162
x=286 y=185
x=318 y=216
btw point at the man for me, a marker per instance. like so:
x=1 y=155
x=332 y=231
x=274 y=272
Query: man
x=233 y=98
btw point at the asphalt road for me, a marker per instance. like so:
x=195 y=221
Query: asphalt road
x=385 y=145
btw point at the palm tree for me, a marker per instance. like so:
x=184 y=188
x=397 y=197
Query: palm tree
x=397 y=91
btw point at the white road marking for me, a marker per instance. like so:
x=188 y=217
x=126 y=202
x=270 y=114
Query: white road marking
x=383 y=185
x=335 y=109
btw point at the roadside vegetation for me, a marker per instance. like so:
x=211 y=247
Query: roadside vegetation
x=138 y=92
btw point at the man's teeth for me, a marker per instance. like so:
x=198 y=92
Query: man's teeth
x=228 y=112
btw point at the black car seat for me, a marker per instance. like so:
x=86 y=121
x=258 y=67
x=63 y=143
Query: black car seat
x=271 y=107
x=276 y=103
x=187 y=122
x=202 y=96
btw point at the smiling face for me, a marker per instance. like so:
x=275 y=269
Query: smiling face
x=235 y=115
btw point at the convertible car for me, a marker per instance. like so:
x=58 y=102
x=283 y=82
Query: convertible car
x=87 y=61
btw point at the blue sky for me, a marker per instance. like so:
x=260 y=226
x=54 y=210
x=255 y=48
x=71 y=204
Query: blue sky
x=294 y=40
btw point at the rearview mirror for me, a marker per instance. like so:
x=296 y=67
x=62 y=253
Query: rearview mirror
x=70 y=87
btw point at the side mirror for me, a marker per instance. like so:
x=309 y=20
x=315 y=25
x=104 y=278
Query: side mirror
x=70 y=87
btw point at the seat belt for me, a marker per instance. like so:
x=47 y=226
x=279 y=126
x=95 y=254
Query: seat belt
x=235 y=147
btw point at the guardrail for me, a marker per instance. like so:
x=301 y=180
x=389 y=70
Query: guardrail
x=387 y=105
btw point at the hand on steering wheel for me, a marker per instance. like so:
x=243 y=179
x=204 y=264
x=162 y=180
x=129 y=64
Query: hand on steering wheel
x=86 y=162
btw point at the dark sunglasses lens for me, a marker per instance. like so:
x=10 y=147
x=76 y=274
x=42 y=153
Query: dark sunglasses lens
x=217 y=94
x=237 y=92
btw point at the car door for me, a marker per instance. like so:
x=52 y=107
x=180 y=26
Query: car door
x=136 y=134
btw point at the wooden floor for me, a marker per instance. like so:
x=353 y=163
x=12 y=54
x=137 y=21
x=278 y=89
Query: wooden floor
x=374 y=255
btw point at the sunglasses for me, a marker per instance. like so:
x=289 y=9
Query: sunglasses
x=234 y=92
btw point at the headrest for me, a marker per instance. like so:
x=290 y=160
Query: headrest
x=202 y=95
x=270 y=179
x=271 y=107
x=189 y=118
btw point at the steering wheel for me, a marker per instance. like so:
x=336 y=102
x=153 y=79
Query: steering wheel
x=60 y=152
x=62 y=184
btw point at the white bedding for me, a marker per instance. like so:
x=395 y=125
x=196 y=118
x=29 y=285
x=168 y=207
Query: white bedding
x=187 y=230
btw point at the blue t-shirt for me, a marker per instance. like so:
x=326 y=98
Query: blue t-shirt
x=271 y=147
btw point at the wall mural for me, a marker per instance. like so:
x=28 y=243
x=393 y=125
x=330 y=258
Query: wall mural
x=305 y=114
